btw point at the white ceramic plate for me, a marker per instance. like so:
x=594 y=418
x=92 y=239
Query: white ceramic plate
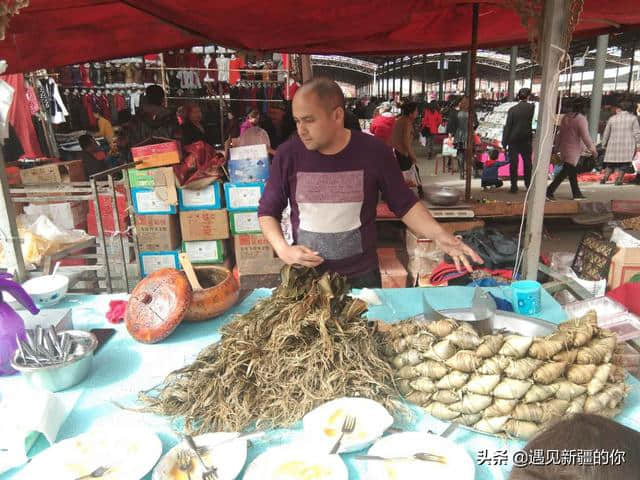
x=459 y=464
x=324 y=424
x=291 y=462
x=228 y=458
x=130 y=452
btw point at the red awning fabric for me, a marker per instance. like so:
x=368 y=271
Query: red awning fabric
x=50 y=34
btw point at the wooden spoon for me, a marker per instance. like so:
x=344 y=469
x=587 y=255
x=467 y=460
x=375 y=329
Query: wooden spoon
x=189 y=271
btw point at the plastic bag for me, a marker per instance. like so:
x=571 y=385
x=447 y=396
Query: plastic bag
x=201 y=166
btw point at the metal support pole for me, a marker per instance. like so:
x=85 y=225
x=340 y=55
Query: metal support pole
x=441 y=83
x=555 y=21
x=570 y=75
x=393 y=92
x=401 y=77
x=512 y=73
x=615 y=82
x=9 y=228
x=387 y=82
x=598 y=83
x=424 y=73
x=533 y=69
x=410 y=76
x=581 y=79
x=633 y=56
x=471 y=82
x=374 y=85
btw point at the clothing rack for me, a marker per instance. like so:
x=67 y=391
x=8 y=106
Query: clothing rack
x=224 y=98
x=49 y=136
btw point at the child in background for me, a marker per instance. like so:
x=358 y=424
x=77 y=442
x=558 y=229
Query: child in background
x=490 y=170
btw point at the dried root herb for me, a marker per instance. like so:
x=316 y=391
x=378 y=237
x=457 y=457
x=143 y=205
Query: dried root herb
x=305 y=345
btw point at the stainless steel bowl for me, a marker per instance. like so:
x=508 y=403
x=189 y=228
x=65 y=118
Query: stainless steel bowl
x=63 y=375
x=443 y=196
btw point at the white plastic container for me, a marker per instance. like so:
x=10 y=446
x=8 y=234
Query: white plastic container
x=47 y=290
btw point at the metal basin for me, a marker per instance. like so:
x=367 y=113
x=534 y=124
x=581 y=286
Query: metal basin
x=65 y=375
x=443 y=196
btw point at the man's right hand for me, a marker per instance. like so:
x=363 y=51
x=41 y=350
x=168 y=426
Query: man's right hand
x=300 y=255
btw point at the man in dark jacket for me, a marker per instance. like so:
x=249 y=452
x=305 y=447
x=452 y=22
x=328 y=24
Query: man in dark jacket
x=517 y=137
x=155 y=120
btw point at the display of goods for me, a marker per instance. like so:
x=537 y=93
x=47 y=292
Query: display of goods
x=305 y=345
x=505 y=383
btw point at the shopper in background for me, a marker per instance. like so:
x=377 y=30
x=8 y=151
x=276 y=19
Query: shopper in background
x=490 y=169
x=192 y=128
x=431 y=120
x=383 y=123
x=402 y=136
x=517 y=137
x=573 y=136
x=154 y=119
x=621 y=140
x=588 y=434
x=91 y=155
x=105 y=129
x=254 y=135
x=462 y=132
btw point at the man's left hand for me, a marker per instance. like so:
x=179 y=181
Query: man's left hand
x=457 y=250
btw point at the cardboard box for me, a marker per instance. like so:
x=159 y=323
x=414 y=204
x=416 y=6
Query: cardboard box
x=244 y=222
x=158 y=155
x=106 y=214
x=243 y=197
x=248 y=164
x=255 y=256
x=63 y=172
x=153 y=261
x=67 y=215
x=393 y=273
x=158 y=233
x=161 y=180
x=200 y=225
x=206 y=251
x=146 y=202
x=625 y=266
x=208 y=198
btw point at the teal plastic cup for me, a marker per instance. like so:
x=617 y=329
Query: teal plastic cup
x=526 y=297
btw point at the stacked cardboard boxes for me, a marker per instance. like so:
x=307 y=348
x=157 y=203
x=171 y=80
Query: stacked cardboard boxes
x=155 y=200
x=204 y=224
x=248 y=172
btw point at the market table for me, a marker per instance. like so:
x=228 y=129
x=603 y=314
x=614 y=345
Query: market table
x=124 y=367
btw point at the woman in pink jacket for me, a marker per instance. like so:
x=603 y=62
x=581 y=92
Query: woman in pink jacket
x=573 y=136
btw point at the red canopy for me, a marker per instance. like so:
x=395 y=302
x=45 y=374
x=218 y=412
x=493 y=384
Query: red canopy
x=54 y=33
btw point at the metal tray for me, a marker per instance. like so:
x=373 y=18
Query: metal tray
x=503 y=322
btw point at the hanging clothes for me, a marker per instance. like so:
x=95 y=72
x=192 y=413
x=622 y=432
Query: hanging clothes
x=235 y=65
x=134 y=100
x=57 y=109
x=32 y=100
x=20 y=116
x=223 y=69
x=84 y=74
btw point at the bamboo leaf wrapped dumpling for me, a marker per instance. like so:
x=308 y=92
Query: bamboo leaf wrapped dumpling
x=511 y=389
x=500 y=407
x=465 y=361
x=549 y=372
x=409 y=357
x=469 y=419
x=581 y=374
x=431 y=369
x=453 y=380
x=472 y=403
x=576 y=405
x=494 y=365
x=440 y=351
x=462 y=338
x=521 y=429
x=441 y=411
x=516 y=346
x=419 y=398
x=567 y=390
x=423 y=384
x=538 y=393
x=442 y=328
x=490 y=345
x=446 y=396
x=522 y=369
x=492 y=424
x=597 y=351
x=482 y=384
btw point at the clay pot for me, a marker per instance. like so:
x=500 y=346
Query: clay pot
x=220 y=292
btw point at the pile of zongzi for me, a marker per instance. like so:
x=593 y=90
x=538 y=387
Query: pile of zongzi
x=503 y=383
x=306 y=344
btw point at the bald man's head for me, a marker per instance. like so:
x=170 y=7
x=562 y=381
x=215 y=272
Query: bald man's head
x=318 y=110
x=328 y=92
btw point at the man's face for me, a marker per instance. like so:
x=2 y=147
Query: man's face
x=317 y=123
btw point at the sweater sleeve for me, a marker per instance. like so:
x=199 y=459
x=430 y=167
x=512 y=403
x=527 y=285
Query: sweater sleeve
x=583 y=132
x=395 y=190
x=276 y=191
x=636 y=131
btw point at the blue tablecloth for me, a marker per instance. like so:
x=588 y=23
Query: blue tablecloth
x=124 y=367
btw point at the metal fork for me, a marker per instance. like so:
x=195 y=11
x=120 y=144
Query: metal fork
x=348 y=426
x=425 y=457
x=97 y=473
x=209 y=473
x=184 y=463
